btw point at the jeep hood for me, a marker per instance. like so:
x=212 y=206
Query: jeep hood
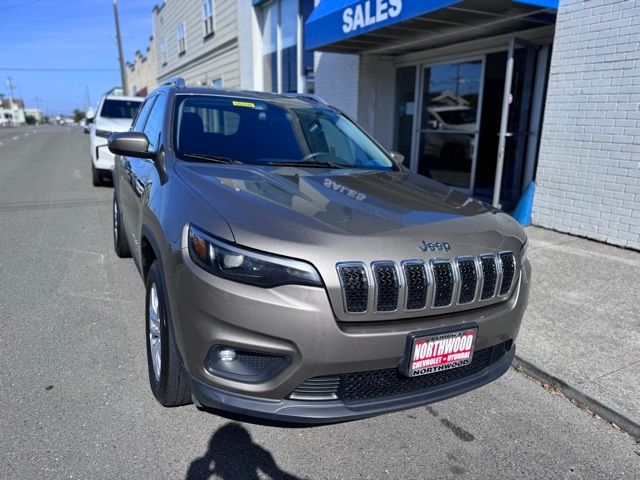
x=344 y=210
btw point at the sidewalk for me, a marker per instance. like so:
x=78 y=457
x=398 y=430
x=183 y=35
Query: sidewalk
x=582 y=325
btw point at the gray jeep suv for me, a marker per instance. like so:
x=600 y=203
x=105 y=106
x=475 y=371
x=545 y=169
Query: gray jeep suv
x=296 y=271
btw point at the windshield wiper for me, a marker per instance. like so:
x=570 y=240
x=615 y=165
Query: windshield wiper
x=209 y=158
x=308 y=163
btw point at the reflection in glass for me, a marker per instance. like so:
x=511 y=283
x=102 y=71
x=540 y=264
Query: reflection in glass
x=449 y=124
x=269 y=47
x=405 y=110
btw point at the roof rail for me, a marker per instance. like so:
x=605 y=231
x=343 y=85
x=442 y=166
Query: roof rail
x=177 y=82
x=307 y=96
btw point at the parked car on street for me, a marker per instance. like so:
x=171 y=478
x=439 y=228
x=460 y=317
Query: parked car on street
x=114 y=114
x=296 y=271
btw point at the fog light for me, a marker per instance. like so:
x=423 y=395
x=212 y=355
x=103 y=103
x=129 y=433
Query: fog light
x=244 y=365
x=227 y=355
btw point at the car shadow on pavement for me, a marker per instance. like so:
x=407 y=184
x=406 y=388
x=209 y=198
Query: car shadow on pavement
x=232 y=454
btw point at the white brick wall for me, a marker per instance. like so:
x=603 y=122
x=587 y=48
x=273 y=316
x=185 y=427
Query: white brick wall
x=336 y=80
x=588 y=177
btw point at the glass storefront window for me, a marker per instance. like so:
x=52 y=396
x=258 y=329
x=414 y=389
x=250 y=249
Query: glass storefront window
x=270 y=47
x=449 y=122
x=405 y=110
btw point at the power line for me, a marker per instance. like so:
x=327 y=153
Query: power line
x=57 y=69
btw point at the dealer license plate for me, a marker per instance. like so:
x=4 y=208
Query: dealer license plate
x=442 y=351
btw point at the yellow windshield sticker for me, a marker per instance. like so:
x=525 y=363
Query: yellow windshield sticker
x=243 y=104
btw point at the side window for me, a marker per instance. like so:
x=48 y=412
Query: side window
x=138 y=122
x=154 y=124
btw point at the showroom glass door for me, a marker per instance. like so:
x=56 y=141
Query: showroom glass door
x=448 y=126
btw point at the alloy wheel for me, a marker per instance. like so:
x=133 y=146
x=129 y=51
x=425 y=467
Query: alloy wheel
x=155 y=336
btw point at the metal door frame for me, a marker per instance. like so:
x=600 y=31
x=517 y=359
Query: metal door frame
x=504 y=119
x=417 y=130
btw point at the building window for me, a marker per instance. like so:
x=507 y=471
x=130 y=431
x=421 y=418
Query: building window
x=217 y=83
x=163 y=53
x=281 y=51
x=182 y=44
x=270 y=47
x=207 y=17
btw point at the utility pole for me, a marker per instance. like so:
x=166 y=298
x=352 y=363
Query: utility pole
x=123 y=74
x=87 y=97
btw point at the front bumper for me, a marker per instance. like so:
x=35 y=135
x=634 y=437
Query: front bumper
x=297 y=322
x=323 y=412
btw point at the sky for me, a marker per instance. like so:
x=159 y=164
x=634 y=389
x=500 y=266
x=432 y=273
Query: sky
x=71 y=44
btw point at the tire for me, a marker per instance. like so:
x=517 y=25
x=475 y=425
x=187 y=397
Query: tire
x=120 y=244
x=166 y=378
x=95 y=176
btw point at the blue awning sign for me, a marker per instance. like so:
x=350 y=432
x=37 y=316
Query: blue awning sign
x=336 y=20
x=369 y=13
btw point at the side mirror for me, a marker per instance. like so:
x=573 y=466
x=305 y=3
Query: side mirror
x=130 y=144
x=90 y=115
x=397 y=157
x=434 y=124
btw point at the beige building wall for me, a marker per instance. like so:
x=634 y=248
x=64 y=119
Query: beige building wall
x=142 y=73
x=208 y=59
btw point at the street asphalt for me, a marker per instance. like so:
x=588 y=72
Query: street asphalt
x=75 y=400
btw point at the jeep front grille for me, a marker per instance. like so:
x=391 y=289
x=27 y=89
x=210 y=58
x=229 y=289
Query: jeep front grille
x=507 y=261
x=490 y=275
x=468 y=279
x=355 y=287
x=444 y=282
x=415 y=285
x=386 y=278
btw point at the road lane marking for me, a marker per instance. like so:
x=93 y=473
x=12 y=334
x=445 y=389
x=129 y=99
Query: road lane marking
x=14 y=138
x=26 y=134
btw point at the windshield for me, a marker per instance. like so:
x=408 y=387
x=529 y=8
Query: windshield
x=120 y=108
x=272 y=133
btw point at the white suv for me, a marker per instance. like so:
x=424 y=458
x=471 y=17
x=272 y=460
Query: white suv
x=114 y=114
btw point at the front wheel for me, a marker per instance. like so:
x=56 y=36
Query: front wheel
x=166 y=376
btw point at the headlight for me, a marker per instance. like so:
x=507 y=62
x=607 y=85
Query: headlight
x=103 y=133
x=246 y=266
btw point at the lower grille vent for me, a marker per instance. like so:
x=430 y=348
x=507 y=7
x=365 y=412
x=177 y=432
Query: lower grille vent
x=354 y=387
x=319 y=388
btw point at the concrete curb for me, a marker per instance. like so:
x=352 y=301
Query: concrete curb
x=625 y=424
